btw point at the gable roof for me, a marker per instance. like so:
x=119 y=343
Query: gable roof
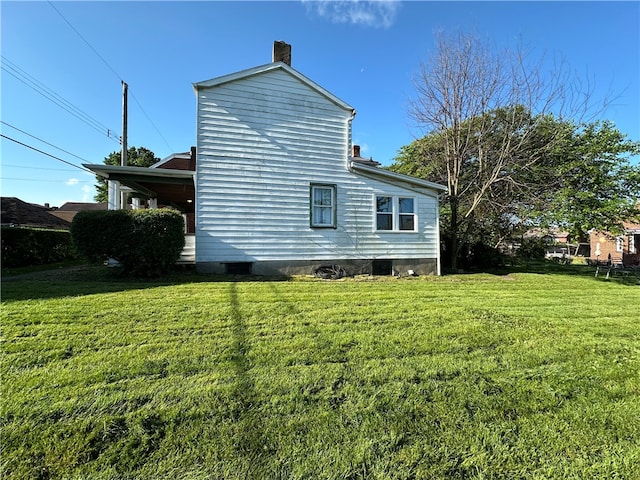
x=70 y=209
x=232 y=77
x=81 y=206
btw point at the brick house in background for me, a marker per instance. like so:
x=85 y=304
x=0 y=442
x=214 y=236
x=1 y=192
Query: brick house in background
x=621 y=249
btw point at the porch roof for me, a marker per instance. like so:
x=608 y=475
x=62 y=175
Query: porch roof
x=169 y=186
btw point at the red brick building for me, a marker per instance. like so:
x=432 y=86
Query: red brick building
x=620 y=249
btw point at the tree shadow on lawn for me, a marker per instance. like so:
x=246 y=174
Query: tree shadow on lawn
x=251 y=444
x=79 y=280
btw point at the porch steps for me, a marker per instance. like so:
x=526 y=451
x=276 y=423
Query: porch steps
x=188 y=254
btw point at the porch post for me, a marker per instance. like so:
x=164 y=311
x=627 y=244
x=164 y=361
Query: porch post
x=113 y=190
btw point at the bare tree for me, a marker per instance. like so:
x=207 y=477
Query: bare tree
x=486 y=106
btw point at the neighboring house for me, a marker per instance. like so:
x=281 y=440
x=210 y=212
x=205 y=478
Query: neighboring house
x=619 y=249
x=17 y=213
x=550 y=235
x=279 y=187
x=70 y=209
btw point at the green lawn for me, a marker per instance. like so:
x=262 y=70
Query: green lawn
x=467 y=376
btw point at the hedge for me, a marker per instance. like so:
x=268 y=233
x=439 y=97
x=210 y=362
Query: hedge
x=146 y=242
x=25 y=247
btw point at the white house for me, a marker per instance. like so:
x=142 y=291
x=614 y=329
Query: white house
x=280 y=189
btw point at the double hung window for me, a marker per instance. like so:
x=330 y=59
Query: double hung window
x=395 y=213
x=323 y=206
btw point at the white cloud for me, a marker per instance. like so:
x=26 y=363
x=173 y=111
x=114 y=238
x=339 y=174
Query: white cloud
x=86 y=191
x=72 y=181
x=376 y=13
x=364 y=148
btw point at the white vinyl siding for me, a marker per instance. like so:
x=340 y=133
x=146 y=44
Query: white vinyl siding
x=262 y=142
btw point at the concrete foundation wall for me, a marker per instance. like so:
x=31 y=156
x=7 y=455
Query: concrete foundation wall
x=401 y=267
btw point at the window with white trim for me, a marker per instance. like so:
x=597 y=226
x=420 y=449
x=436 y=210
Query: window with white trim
x=619 y=244
x=323 y=206
x=395 y=213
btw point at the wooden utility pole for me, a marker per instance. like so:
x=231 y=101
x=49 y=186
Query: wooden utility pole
x=123 y=155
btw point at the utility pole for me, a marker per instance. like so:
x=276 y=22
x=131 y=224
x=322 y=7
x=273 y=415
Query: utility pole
x=123 y=154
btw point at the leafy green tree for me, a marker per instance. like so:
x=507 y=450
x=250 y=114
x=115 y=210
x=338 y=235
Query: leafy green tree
x=496 y=182
x=598 y=186
x=578 y=177
x=136 y=157
x=492 y=120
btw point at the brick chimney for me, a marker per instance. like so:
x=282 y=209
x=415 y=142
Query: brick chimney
x=281 y=52
x=355 y=157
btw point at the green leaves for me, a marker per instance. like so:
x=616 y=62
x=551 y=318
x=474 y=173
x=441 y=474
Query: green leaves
x=518 y=170
x=146 y=242
x=599 y=187
x=136 y=157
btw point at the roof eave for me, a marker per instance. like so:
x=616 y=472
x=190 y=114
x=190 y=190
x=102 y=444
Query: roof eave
x=232 y=77
x=397 y=177
x=106 y=170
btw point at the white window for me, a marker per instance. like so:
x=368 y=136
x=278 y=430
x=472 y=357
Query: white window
x=323 y=206
x=632 y=244
x=395 y=213
x=619 y=244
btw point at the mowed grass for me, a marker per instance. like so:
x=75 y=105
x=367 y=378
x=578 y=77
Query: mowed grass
x=474 y=376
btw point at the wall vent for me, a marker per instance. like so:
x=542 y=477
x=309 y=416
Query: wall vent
x=382 y=267
x=238 y=268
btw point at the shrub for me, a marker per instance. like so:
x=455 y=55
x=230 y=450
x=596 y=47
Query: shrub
x=102 y=234
x=146 y=242
x=22 y=247
x=532 y=248
x=158 y=239
x=486 y=256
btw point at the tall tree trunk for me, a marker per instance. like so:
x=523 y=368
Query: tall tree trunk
x=453 y=232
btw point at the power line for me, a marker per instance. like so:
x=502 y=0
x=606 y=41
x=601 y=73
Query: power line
x=47 y=154
x=41 y=181
x=85 y=41
x=112 y=70
x=151 y=122
x=26 y=167
x=44 y=141
x=15 y=71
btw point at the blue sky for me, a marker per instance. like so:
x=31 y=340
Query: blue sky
x=366 y=53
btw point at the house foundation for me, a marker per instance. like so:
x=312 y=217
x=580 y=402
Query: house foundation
x=397 y=267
